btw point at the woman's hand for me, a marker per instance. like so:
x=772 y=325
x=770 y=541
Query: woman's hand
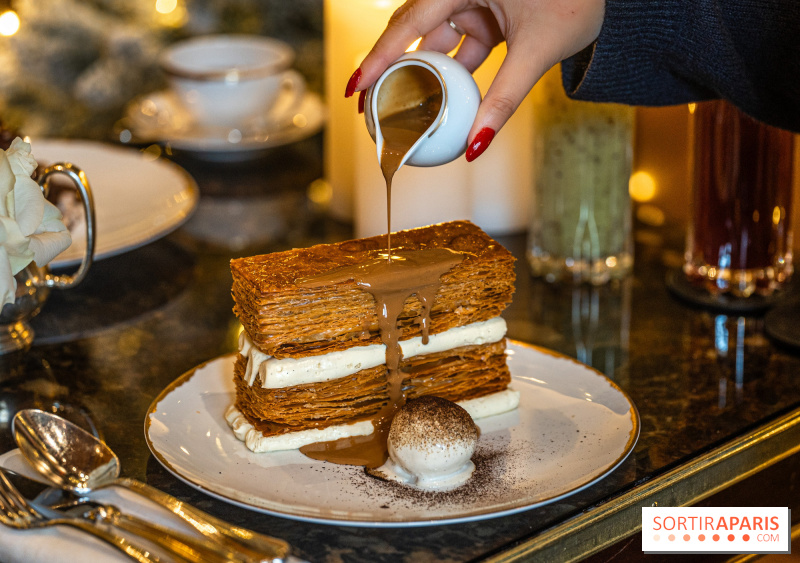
x=538 y=33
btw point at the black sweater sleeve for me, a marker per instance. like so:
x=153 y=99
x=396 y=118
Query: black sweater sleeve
x=664 y=52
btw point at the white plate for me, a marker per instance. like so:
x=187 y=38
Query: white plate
x=573 y=427
x=138 y=199
x=159 y=118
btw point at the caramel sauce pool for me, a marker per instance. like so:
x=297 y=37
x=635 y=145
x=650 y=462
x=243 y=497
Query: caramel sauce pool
x=404 y=116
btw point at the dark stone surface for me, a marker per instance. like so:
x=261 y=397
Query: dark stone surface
x=783 y=325
x=145 y=317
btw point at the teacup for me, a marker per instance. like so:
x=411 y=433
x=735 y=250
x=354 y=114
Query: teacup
x=227 y=80
x=446 y=138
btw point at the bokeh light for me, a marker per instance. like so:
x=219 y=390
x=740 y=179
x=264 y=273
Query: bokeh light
x=651 y=215
x=166 y=6
x=642 y=186
x=9 y=23
x=171 y=13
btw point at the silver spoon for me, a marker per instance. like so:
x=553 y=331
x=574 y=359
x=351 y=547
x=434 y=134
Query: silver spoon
x=75 y=460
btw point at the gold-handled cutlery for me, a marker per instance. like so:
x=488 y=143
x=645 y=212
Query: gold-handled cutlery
x=74 y=460
x=16 y=512
x=177 y=545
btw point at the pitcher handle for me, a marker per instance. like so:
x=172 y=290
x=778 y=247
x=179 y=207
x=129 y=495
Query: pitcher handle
x=78 y=177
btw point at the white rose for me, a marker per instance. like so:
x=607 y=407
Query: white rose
x=21 y=159
x=31 y=228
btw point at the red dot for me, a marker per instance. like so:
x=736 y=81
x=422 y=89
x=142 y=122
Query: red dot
x=685 y=537
x=731 y=537
x=701 y=537
x=715 y=537
x=671 y=537
x=746 y=537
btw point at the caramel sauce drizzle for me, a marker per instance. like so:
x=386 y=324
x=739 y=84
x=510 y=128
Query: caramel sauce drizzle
x=392 y=277
x=409 y=273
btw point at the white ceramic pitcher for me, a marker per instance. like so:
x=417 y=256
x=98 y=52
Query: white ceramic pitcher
x=446 y=138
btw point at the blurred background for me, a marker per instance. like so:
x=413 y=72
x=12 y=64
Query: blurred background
x=68 y=68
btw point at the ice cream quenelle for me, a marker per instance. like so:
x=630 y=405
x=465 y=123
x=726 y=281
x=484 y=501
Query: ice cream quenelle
x=431 y=443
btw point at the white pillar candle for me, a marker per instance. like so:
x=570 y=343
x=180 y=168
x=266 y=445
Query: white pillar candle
x=501 y=179
x=351 y=28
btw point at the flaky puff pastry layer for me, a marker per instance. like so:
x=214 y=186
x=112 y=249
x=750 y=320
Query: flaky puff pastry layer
x=286 y=320
x=459 y=374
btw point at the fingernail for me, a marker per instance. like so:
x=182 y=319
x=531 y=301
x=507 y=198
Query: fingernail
x=479 y=143
x=361 y=97
x=352 y=84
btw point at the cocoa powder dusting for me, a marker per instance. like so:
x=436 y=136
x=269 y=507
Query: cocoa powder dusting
x=429 y=419
x=490 y=479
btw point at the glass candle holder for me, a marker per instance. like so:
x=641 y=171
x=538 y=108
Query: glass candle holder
x=581 y=216
x=741 y=172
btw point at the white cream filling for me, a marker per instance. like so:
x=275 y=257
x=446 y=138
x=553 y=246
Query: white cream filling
x=490 y=405
x=287 y=372
x=496 y=403
x=258 y=443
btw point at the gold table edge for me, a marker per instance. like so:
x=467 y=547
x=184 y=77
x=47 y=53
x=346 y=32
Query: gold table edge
x=604 y=525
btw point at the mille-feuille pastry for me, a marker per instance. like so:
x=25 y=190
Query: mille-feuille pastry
x=312 y=364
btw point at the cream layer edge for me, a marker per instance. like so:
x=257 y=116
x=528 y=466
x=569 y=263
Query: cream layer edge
x=272 y=373
x=481 y=407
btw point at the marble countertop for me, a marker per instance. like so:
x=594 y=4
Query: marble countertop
x=698 y=378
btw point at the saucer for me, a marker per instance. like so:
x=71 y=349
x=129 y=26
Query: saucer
x=160 y=118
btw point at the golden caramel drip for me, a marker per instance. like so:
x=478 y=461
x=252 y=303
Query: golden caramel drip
x=390 y=282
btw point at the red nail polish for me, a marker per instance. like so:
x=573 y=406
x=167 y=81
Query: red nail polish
x=352 y=84
x=361 y=97
x=479 y=143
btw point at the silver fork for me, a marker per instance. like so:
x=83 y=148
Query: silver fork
x=15 y=512
x=177 y=545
